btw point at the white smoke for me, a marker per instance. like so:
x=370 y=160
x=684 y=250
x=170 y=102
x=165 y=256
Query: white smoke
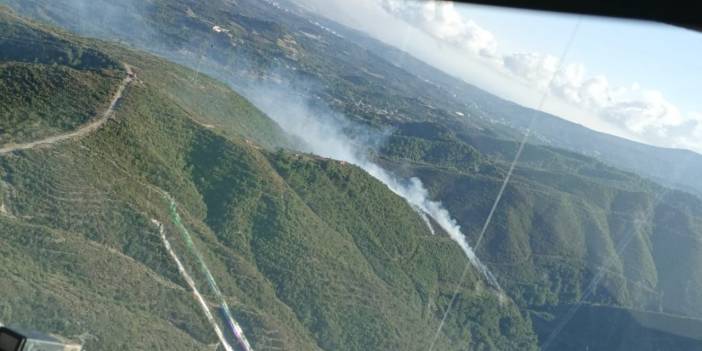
x=325 y=134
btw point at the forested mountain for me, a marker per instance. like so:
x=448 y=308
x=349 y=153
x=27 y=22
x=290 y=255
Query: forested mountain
x=313 y=253
x=310 y=253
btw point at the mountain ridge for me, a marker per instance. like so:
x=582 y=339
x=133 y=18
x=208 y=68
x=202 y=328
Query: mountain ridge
x=84 y=257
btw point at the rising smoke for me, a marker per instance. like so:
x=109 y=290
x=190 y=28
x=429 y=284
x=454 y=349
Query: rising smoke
x=327 y=134
x=323 y=132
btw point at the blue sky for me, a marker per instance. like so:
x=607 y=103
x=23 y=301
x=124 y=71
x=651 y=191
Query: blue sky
x=637 y=80
x=655 y=55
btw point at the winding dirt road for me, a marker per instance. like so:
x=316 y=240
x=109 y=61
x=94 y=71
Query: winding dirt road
x=84 y=129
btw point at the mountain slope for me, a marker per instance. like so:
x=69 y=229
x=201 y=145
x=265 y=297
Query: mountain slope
x=300 y=272
x=30 y=76
x=570 y=228
x=349 y=68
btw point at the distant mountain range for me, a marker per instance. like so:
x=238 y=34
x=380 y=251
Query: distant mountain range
x=672 y=167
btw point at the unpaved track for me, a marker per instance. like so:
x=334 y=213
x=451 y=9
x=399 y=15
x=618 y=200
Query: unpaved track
x=188 y=279
x=84 y=129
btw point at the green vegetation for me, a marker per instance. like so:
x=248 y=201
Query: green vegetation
x=430 y=144
x=210 y=103
x=565 y=221
x=314 y=254
x=397 y=249
x=21 y=42
x=35 y=66
x=558 y=227
x=311 y=254
x=30 y=107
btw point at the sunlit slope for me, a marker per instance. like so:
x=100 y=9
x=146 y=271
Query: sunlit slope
x=52 y=83
x=310 y=254
x=350 y=258
x=96 y=193
x=35 y=65
x=564 y=201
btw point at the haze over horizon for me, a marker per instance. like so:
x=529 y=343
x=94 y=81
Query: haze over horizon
x=634 y=84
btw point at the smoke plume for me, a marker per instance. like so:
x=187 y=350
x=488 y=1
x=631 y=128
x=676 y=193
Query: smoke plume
x=324 y=133
x=330 y=135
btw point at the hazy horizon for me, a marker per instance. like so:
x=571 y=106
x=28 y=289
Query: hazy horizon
x=609 y=83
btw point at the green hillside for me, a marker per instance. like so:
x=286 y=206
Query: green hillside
x=31 y=109
x=311 y=254
x=570 y=228
x=35 y=66
x=564 y=219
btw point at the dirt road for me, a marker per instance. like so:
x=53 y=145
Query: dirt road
x=81 y=131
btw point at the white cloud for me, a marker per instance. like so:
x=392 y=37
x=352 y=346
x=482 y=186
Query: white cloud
x=534 y=68
x=569 y=81
x=442 y=21
x=645 y=113
x=690 y=135
x=593 y=93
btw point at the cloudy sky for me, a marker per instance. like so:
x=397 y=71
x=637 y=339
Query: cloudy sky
x=632 y=79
